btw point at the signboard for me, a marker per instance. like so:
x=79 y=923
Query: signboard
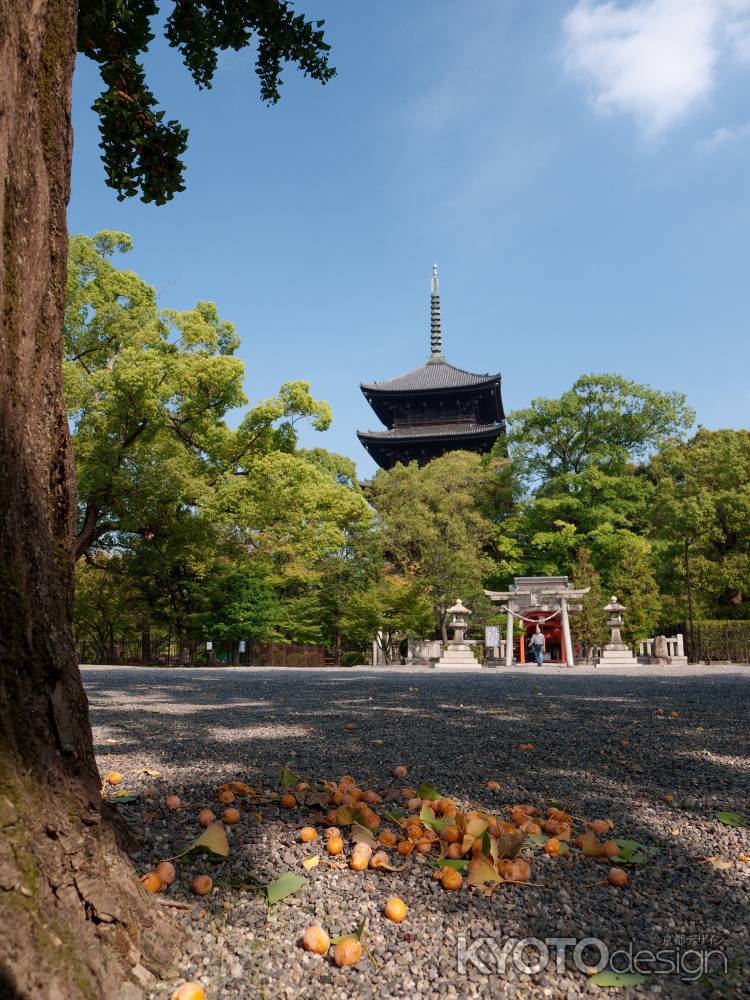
x=242 y=645
x=209 y=645
x=492 y=636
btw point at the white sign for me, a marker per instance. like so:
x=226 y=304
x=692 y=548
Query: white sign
x=209 y=645
x=492 y=636
x=242 y=645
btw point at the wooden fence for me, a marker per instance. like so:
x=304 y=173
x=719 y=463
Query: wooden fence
x=167 y=651
x=714 y=641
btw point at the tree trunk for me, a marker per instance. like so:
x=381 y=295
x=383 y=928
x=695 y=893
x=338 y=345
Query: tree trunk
x=73 y=919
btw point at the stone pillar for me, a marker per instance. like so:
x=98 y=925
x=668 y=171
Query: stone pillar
x=680 y=644
x=567 y=644
x=509 y=641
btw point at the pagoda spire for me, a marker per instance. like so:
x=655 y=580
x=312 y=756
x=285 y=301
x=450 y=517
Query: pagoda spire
x=436 y=330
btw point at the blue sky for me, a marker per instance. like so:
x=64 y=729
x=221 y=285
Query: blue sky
x=579 y=171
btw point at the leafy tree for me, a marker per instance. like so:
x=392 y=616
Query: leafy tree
x=108 y=605
x=634 y=582
x=142 y=152
x=45 y=736
x=241 y=604
x=390 y=609
x=433 y=527
x=703 y=494
x=147 y=393
x=604 y=421
x=589 y=625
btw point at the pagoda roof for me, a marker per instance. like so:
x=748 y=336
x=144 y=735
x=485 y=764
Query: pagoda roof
x=418 y=432
x=435 y=374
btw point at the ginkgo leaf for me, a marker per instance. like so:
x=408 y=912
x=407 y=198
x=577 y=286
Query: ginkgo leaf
x=476 y=827
x=729 y=818
x=287 y=778
x=633 y=853
x=312 y=862
x=428 y=819
x=482 y=871
x=361 y=835
x=150 y=772
x=284 y=886
x=428 y=791
x=213 y=842
x=460 y=864
x=318 y=798
x=609 y=978
x=507 y=845
x=396 y=816
x=123 y=796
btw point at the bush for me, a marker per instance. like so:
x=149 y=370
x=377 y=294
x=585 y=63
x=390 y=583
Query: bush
x=351 y=659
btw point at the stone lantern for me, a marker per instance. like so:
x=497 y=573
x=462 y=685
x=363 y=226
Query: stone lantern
x=457 y=652
x=616 y=653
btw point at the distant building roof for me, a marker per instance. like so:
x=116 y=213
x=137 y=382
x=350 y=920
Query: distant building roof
x=436 y=373
x=420 y=431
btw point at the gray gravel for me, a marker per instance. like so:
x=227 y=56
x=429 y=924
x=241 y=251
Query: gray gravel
x=601 y=750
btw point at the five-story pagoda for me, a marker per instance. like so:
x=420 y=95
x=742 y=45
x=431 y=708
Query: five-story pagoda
x=435 y=408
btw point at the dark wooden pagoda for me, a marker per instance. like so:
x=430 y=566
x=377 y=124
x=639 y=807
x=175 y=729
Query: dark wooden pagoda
x=434 y=409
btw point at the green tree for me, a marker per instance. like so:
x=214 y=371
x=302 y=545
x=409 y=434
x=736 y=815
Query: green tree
x=589 y=625
x=147 y=393
x=603 y=421
x=240 y=604
x=108 y=605
x=433 y=527
x=390 y=609
x=45 y=736
x=578 y=483
x=703 y=494
x=142 y=152
x=633 y=581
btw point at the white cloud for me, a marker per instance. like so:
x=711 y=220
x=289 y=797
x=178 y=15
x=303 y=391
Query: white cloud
x=653 y=59
x=723 y=136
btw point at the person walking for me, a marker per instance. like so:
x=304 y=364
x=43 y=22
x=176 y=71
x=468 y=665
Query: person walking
x=538 y=646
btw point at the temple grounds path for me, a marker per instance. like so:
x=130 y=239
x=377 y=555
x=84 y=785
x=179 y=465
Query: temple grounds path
x=600 y=750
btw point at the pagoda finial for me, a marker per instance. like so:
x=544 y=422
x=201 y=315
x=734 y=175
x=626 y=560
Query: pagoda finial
x=436 y=330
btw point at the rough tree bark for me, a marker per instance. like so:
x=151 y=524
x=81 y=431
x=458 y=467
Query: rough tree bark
x=74 y=921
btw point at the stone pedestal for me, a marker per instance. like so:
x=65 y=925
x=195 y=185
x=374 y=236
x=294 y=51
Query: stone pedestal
x=616 y=653
x=457 y=653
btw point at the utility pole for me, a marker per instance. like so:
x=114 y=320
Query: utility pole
x=688 y=542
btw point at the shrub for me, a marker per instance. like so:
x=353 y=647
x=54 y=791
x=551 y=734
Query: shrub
x=351 y=659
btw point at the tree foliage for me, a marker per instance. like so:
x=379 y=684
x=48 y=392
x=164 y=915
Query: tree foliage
x=142 y=152
x=388 y=610
x=148 y=391
x=434 y=528
x=589 y=625
x=602 y=421
x=703 y=495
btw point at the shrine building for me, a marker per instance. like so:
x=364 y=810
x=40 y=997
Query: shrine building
x=433 y=409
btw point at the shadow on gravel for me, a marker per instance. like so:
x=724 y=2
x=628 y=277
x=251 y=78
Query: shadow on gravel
x=600 y=750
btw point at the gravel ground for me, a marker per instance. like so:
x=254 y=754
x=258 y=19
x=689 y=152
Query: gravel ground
x=600 y=750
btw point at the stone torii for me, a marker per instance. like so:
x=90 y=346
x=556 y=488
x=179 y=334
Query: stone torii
x=539 y=593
